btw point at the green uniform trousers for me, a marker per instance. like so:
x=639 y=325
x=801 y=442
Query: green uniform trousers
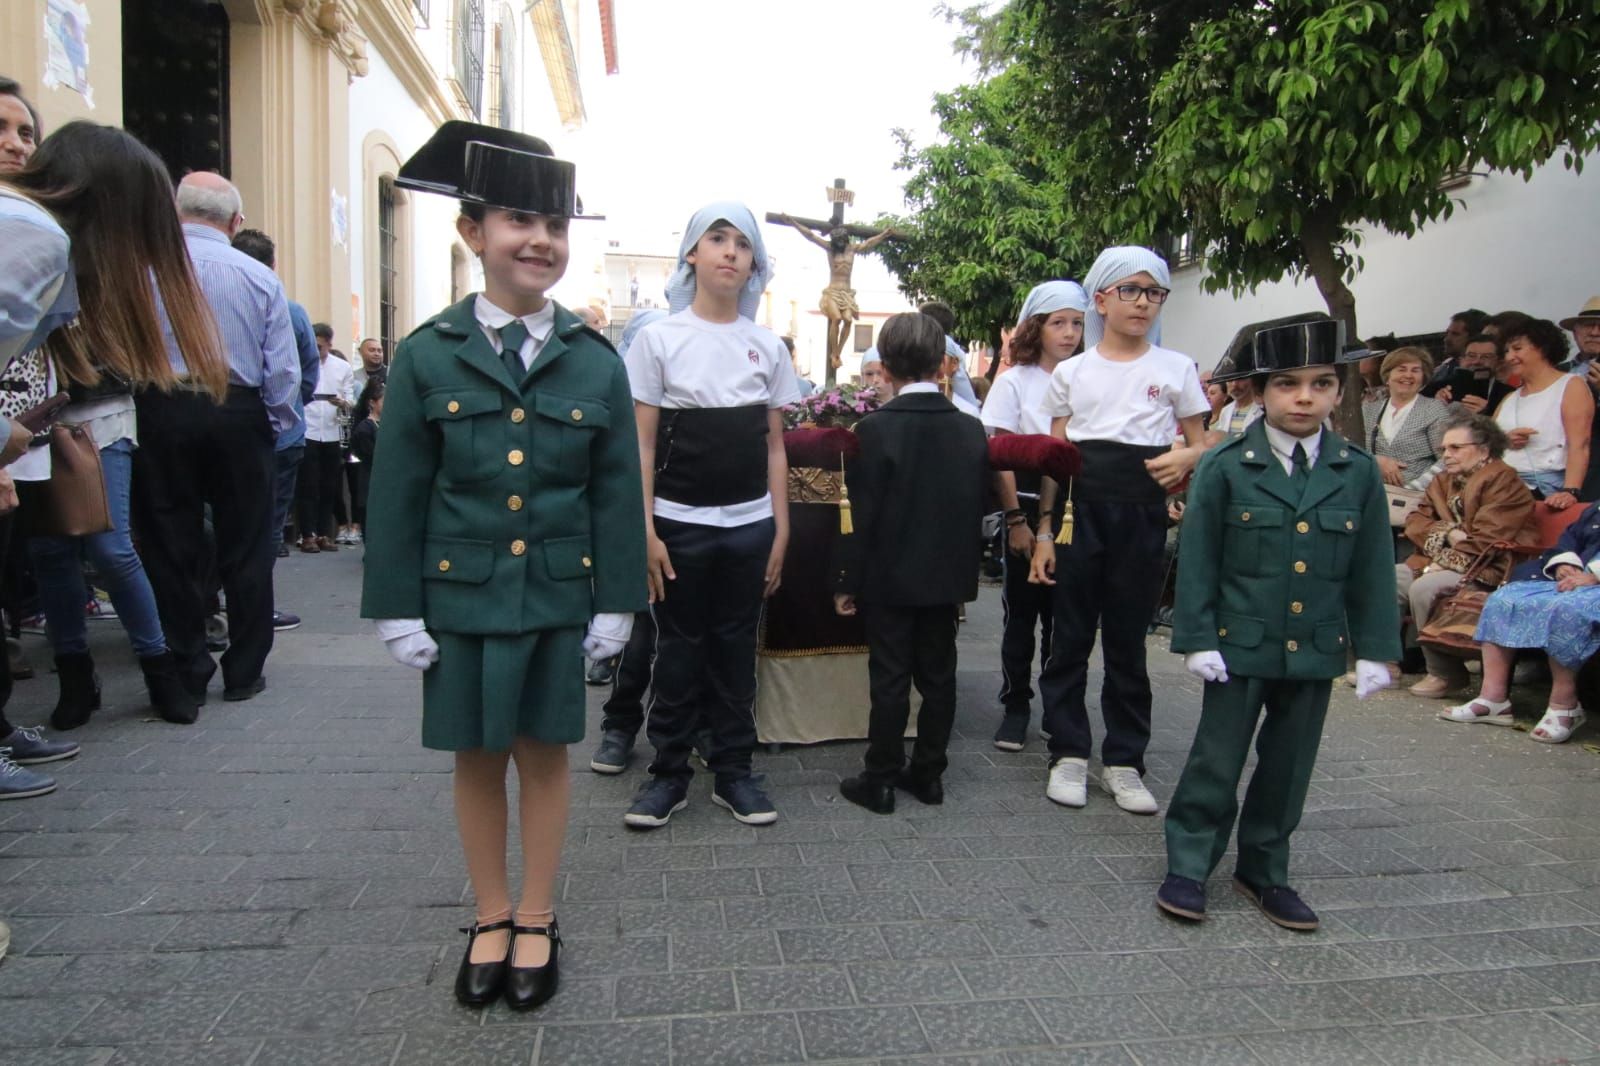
x=1201 y=815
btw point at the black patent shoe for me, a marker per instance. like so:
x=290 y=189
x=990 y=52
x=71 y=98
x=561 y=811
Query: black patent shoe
x=529 y=986
x=479 y=984
x=876 y=796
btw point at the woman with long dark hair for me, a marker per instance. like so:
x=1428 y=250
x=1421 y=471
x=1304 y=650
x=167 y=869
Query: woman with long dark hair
x=114 y=199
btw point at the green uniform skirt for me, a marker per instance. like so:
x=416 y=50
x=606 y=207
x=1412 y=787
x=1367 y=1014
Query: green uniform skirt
x=485 y=691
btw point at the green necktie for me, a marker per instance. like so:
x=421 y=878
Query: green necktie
x=512 y=334
x=1302 y=468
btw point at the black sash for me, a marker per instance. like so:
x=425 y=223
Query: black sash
x=712 y=456
x=1114 y=472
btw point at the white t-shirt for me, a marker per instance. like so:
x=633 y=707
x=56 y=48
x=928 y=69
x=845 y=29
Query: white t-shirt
x=1231 y=414
x=683 y=362
x=1016 y=401
x=322 y=418
x=1135 y=402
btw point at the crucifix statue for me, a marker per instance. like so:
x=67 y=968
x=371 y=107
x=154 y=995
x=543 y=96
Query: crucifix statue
x=838 y=303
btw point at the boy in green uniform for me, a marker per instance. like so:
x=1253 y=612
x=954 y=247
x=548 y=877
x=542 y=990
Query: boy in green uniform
x=503 y=518
x=1285 y=565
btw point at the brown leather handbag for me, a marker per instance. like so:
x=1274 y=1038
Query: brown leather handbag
x=73 y=502
x=1453 y=626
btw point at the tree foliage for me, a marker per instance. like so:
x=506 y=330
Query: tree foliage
x=1271 y=132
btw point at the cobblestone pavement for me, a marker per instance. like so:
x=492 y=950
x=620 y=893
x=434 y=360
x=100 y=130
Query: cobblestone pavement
x=281 y=884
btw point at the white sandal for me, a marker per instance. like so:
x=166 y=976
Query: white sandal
x=1496 y=712
x=1554 y=731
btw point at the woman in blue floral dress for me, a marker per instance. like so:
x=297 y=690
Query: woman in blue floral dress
x=1557 y=610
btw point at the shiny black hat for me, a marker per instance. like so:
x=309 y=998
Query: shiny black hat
x=1291 y=343
x=494 y=167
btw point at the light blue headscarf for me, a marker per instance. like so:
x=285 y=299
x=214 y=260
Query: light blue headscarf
x=639 y=321
x=1051 y=297
x=870 y=356
x=1110 y=267
x=680 y=287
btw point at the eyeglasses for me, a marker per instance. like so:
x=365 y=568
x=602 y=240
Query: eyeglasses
x=1129 y=293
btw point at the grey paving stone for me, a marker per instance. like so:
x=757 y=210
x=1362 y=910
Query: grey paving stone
x=772 y=912
x=935 y=940
x=1502 y=990
x=136 y=1019
x=1401 y=999
x=374 y=1050
x=25 y=975
x=807 y=879
x=1425 y=1044
x=600 y=957
x=880 y=983
x=667 y=916
x=1223 y=966
x=370 y=969
x=869 y=908
x=843 y=944
x=1092 y=1019
x=495 y=1047
x=1004 y=1023
x=613 y=1044
x=1203 y=1051
x=213 y=932
x=1516 y=1038
x=862 y=1032
x=124 y=932
x=200 y=1053
x=1203 y=1010
x=685 y=993
x=735 y=1039
x=1013 y=978
x=150 y=974
x=289 y=1013
x=1312 y=1047
x=41 y=1022
x=793 y=988
x=716 y=950
x=1101 y=1055
x=427 y=1007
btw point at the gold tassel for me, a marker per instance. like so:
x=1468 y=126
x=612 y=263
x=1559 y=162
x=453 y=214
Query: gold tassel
x=846 y=527
x=1065 y=536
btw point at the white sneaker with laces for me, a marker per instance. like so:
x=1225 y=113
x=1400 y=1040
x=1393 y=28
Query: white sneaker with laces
x=1069 y=782
x=1125 y=786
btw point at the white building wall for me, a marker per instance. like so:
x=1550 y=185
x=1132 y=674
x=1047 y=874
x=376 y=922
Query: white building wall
x=1511 y=245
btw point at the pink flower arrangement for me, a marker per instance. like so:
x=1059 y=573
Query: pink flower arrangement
x=842 y=406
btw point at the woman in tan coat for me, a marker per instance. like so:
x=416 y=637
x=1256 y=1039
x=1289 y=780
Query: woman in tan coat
x=1477 y=502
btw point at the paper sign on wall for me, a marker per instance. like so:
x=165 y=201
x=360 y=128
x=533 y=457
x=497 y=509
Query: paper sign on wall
x=66 y=47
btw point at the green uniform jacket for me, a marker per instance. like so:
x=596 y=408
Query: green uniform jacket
x=1283 y=583
x=499 y=509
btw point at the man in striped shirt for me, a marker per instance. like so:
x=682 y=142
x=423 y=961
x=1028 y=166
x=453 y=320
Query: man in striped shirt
x=193 y=452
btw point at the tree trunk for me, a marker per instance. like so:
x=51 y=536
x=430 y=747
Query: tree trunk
x=1317 y=243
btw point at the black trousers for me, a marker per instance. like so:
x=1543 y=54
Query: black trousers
x=321 y=485
x=191 y=453
x=1108 y=578
x=705 y=669
x=624 y=708
x=8 y=521
x=1024 y=608
x=906 y=645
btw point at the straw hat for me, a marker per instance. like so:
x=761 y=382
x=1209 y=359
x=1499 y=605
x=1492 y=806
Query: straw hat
x=1590 y=313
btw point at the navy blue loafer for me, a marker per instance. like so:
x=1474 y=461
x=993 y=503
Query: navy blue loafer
x=1182 y=897
x=1281 y=904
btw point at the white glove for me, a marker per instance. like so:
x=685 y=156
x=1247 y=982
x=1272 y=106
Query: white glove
x=608 y=635
x=1207 y=666
x=408 y=642
x=1371 y=677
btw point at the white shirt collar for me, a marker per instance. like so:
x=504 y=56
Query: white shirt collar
x=540 y=323
x=918 y=386
x=1283 y=445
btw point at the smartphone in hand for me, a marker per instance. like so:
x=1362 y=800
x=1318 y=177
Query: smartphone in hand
x=38 y=419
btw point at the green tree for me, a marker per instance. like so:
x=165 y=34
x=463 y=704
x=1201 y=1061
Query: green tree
x=988 y=221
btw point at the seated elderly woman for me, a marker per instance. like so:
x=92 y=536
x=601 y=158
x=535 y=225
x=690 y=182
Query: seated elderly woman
x=1558 y=612
x=1403 y=428
x=1476 y=503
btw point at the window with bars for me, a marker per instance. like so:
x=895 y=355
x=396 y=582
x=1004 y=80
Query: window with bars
x=388 y=268
x=421 y=7
x=502 y=73
x=469 y=53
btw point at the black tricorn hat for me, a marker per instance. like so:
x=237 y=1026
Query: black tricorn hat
x=494 y=167
x=1291 y=343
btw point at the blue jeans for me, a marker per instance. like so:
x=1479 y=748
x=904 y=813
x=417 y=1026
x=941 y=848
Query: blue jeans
x=1544 y=482
x=58 y=567
x=287 y=462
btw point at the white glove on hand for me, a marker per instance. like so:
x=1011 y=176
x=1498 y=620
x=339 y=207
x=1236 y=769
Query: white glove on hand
x=1371 y=677
x=408 y=642
x=608 y=635
x=1207 y=666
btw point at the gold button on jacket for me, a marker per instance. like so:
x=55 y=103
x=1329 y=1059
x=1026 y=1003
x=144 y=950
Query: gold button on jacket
x=515 y=457
x=514 y=503
x=444 y=566
x=519 y=547
x=518 y=414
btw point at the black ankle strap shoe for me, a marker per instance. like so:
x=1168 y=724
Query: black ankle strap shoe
x=529 y=986
x=479 y=984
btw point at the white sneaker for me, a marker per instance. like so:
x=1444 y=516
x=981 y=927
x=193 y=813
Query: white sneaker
x=1069 y=782
x=1125 y=786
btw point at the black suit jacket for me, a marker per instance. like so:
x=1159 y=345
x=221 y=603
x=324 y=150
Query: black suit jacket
x=917 y=494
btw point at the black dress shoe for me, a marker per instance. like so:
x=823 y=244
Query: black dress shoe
x=875 y=796
x=479 y=984
x=1182 y=897
x=929 y=790
x=244 y=692
x=1281 y=904
x=529 y=986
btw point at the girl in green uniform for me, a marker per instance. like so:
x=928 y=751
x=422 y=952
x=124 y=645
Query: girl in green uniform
x=504 y=517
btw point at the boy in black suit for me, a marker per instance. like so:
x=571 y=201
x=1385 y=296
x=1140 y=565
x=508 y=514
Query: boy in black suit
x=917 y=496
